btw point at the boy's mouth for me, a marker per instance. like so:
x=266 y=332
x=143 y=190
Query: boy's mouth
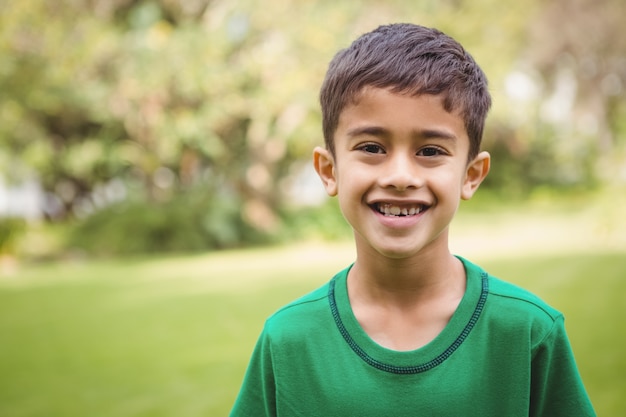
x=388 y=209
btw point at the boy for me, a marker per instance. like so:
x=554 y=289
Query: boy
x=409 y=329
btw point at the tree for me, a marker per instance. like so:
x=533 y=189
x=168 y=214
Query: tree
x=579 y=46
x=150 y=100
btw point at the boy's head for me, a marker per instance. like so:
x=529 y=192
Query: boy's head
x=407 y=59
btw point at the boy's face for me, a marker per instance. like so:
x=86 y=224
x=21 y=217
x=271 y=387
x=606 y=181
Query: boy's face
x=399 y=170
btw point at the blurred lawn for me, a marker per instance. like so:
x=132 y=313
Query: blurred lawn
x=172 y=336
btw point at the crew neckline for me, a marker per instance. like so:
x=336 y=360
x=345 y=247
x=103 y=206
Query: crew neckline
x=426 y=357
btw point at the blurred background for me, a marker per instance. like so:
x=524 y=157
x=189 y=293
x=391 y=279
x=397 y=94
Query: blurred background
x=150 y=151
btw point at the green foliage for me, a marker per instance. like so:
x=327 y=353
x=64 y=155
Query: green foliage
x=174 y=96
x=323 y=222
x=10 y=231
x=220 y=86
x=521 y=165
x=195 y=221
x=192 y=222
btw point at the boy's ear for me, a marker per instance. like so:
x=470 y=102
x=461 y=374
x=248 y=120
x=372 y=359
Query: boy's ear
x=324 y=164
x=476 y=172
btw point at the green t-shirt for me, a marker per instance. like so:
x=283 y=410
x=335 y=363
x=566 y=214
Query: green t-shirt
x=503 y=353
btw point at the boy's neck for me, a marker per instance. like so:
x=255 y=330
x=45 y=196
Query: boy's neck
x=425 y=276
x=404 y=304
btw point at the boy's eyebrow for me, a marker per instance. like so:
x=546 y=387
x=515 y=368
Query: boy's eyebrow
x=382 y=132
x=436 y=134
x=367 y=131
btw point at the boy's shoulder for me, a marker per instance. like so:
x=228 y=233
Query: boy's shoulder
x=300 y=313
x=304 y=302
x=512 y=296
x=509 y=307
x=513 y=311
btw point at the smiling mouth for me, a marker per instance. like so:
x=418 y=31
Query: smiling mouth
x=392 y=210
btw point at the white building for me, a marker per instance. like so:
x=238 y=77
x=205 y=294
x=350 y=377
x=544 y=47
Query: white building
x=25 y=200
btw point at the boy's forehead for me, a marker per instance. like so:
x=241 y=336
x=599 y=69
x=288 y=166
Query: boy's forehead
x=386 y=110
x=375 y=96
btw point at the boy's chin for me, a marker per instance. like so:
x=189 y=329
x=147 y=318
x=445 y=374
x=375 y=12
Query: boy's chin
x=410 y=249
x=397 y=253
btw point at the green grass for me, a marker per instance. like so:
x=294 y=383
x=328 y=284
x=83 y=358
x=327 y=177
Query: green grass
x=172 y=336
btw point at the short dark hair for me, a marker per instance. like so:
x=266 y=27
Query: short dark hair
x=407 y=59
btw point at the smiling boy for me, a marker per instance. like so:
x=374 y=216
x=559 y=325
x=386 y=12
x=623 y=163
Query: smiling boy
x=409 y=329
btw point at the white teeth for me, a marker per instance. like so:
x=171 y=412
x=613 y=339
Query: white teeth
x=389 y=210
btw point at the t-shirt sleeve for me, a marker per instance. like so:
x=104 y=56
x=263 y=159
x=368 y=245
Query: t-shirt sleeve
x=557 y=388
x=257 y=396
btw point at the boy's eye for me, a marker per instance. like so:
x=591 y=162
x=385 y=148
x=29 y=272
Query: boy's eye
x=430 y=151
x=372 y=148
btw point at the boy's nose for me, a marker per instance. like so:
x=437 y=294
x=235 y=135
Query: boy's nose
x=401 y=173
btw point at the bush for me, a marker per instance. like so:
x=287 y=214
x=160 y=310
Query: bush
x=522 y=164
x=318 y=222
x=11 y=229
x=189 y=223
